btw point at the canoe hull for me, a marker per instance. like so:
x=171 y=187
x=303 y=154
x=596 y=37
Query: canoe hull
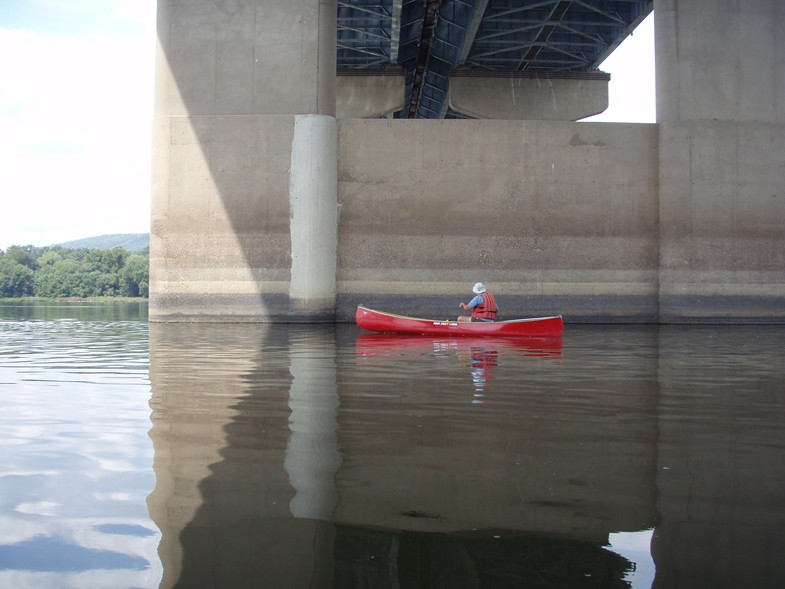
x=380 y=321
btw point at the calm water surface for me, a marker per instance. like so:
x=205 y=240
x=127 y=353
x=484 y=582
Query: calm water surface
x=188 y=455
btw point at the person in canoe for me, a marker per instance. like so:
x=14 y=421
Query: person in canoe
x=483 y=305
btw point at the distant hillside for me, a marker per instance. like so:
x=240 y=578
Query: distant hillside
x=132 y=242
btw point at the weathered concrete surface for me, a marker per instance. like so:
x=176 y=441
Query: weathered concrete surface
x=229 y=166
x=541 y=98
x=720 y=61
x=722 y=221
x=682 y=221
x=721 y=113
x=220 y=243
x=313 y=215
x=363 y=94
x=216 y=57
x=554 y=217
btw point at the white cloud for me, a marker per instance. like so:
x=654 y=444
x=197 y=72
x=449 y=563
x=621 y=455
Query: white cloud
x=75 y=119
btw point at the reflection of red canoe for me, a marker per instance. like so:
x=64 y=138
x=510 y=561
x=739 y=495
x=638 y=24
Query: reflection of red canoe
x=384 y=344
x=390 y=323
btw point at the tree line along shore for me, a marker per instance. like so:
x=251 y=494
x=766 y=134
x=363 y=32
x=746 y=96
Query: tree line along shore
x=58 y=272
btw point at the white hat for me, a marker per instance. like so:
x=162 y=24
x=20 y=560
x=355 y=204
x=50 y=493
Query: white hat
x=479 y=288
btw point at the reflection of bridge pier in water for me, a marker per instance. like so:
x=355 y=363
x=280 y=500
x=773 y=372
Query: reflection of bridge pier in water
x=534 y=458
x=252 y=485
x=312 y=458
x=299 y=456
x=721 y=459
x=245 y=460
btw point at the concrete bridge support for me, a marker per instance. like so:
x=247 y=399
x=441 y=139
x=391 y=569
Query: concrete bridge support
x=522 y=95
x=244 y=219
x=679 y=221
x=721 y=120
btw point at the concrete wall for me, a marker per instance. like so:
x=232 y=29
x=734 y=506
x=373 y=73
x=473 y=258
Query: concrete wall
x=553 y=217
x=210 y=248
x=721 y=113
x=720 y=60
x=244 y=135
x=253 y=220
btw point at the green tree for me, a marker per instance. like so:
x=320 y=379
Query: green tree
x=24 y=255
x=55 y=272
x=58 y=279
x=49 y=258
x=105 y=269
x=135 y=276
x=16 y=280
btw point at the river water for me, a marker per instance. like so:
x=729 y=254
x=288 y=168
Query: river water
x=231 y=456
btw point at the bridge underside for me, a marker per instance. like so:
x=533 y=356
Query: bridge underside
x=428 y=40
x=285 y=187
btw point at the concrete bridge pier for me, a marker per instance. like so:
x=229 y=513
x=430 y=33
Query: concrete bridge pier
x=721 y=123
x=244 y=210
x=683 y=221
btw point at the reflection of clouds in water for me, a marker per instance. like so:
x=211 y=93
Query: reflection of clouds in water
x=114 y=496
x=635 y=547
x=62 y=552
x=45 y=508
x=77 y=458
x=19 y=435
x=16 y=529
x=132 y=537
x=117 y=466
x=80 y=580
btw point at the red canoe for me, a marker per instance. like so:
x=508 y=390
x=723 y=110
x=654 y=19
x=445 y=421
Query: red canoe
x=373 y=320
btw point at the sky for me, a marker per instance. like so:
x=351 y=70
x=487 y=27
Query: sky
x=631 y=92
x=76 y=103
x=76 y=108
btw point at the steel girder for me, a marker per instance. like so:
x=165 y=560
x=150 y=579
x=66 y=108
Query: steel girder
x=430 y=38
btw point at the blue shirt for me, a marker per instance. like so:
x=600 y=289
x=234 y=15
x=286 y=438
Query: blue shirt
x=475 y=301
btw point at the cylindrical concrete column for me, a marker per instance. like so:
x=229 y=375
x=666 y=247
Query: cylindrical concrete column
x=313 y=201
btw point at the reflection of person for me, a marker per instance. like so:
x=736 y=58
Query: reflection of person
x=483 y=362
x=483 y=305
